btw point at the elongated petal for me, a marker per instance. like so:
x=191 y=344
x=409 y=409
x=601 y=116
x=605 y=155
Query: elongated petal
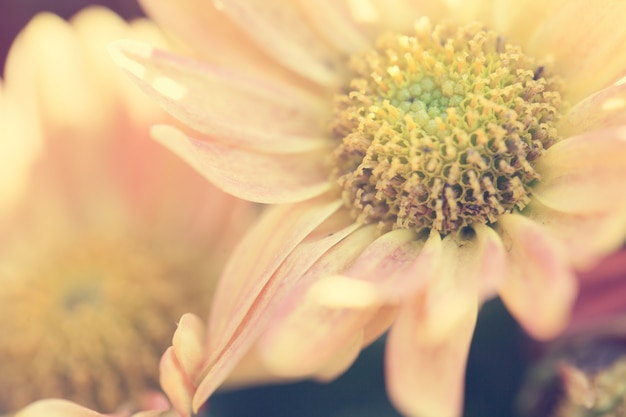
x=253 y=176
x=238 y=110
x=604 y=109
x=584 y=173
x=540 y=287
x=587 y=237
x=279 y=28
x=304 y=334
x=56 y=408
x=189 y=343
x=487 y=260
x=176 y=383
x=587 y=41
x=258 y=277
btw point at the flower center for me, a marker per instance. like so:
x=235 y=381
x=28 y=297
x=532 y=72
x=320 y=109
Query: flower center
x=89 y=322
x=440 y=129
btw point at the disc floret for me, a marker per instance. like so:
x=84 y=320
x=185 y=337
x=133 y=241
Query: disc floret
x=440 y=129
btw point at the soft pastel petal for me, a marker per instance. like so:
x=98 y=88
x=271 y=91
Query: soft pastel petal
x=540 y=287
x=520 y=19
x=238 y=110
x=189 y=343
x=253 y=176
x=342 y=359
x=487 y=261
x=56 y=408
x=250 y=288
x=587 y=237
x=279 y=28
x=587 y=40
x=604 y=109
x=175 y=383
x=584 y=173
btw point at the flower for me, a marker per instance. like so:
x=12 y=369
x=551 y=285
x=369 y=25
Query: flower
x=420 y=158
x=106 y=238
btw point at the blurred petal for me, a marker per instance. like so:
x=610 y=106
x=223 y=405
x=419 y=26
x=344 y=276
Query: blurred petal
x=601 y=110
x=584 y=173
x=56 y=408
x=258 y=177
x=237 y=110
x=540 y=287
x=587 y=41
x=175 y=383
x=189 y=343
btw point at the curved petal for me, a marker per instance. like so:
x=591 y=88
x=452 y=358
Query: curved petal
x=189 y=343
x=604 y=109
x=584 y=173
x=266 y=264
x=519 y=20
x=304 y=334
x=587 y=40
x=56 y=408
x=586 y=237
x=240 y=111
x=253 y=176
x=176 y=383
x=540 y=287
x=278 y=28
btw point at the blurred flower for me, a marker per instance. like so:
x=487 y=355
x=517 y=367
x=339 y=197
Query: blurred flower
x=413 y=176
x=106 y=239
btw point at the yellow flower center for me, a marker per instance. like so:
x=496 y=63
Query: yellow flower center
x=440 y=129
x=90 y=321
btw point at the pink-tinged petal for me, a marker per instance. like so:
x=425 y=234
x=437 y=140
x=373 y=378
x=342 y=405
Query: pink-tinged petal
x=424 y=372
x=584 y=173
x=189 y=343
x=281 y=31
x=56 y=408
x=379 y=324
x=540 y=287
x=587 y=40
x=332 y=19
x=489 y=261
x=262 y=270
x=253 y=176
x=586 y=237
x=304 y=334
x=237 y=110
x=342 y=360
x=175 y=383
x=604 y=109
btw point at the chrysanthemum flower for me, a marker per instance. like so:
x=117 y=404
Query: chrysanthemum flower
x=106 y=238
x=421 y=157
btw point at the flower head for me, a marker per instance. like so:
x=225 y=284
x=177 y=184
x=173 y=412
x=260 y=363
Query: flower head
x=100 y=255
x=421 y=157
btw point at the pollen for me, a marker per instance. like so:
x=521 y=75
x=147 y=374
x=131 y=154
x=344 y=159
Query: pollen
x=440 y=129
x=89 y=321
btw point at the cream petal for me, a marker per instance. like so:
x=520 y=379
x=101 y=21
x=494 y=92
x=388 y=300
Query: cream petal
x=519 y=20
x=273 y=255
x=304 y=334
x=587 y=40
x=189 y=343
x=342 y=360
x=584 y=173
x=604 y=109
x=253 y=176
x=379 y=323
x=240 y=111
x=425 y=375
x=278 y=28
x=56 y=408
x=540 y=287
x=487 y=259
x=175 y=383
x=587 y=237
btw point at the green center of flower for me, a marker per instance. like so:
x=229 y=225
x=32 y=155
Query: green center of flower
x=440 y=129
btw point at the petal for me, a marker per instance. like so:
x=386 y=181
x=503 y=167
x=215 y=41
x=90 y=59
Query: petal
x=584 y=173
x=586 y=237
x=540 y=287
x=253 y=176
x=280 y=30
x=587 y=41
x=519 y=20
x=241 y=111
x=175 y=383
x=425 y=374
x=604 y=109
x=262 y=269
x=189 y=342
x=56 y=408
x=486 y=261
x=304 y=335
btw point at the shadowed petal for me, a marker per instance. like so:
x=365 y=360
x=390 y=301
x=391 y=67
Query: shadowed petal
x=56 y=408
x=189 y=343
x=258 y=177
x=237 y=110
x=540 y=287
x=602 y=110
x=176 y=383
x=584 y=173
x=587 y=40
x=279 y=28
x=587 y=237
